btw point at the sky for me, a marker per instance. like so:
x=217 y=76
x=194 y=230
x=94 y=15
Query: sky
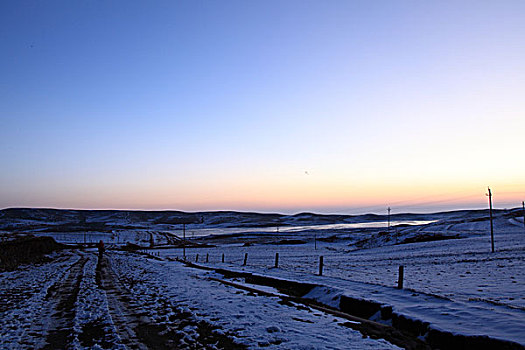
x=273 y=106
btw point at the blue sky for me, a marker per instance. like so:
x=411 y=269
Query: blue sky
x=330 y=106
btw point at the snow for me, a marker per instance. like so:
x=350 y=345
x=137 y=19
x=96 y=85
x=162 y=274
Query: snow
x=325 y=295
x=454 y=285
x=457 y=285
x=24 y=302
x=27 y=317
x=91 y=306
x=254 y=320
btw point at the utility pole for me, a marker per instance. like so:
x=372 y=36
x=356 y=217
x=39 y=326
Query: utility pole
x=523 y=206
x=491 y=225
x=184 y=241
x=388 y=218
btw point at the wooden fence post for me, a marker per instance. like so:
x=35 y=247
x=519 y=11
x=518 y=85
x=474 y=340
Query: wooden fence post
x=321 y=265
x=400 y=277
x=207 y=257
x=276 y=260
x=197 y=258
x=245 y=259
x=222 y=257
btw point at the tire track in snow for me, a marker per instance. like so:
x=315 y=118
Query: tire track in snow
x=137 y=329
x=124 y=319
x=26 y=311
x=60 y=332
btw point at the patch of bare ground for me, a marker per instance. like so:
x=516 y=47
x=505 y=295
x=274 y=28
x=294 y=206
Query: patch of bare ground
x=94 y=333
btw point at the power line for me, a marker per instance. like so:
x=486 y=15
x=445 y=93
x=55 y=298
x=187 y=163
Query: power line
x=411 y=204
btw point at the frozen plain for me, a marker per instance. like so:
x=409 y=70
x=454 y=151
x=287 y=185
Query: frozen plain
x=475 y=291
x=456 y=285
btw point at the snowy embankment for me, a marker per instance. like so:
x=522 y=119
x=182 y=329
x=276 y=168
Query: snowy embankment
x=393 y=306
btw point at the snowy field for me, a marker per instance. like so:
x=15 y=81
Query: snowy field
x=464 y=272
x=460 y=269
x=452 y=282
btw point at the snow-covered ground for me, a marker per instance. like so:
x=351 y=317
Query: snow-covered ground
x=24 y=300
x=159 y=294
x=463 y=273
x=454 y=285
x=32 y=295
x=252 y=320
x=455 y=268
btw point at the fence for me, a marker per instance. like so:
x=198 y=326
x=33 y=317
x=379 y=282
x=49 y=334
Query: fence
x=316 y=263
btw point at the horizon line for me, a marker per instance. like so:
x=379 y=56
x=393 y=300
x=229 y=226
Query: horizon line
x=255 y=211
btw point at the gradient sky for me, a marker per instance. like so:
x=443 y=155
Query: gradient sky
x=326 y=106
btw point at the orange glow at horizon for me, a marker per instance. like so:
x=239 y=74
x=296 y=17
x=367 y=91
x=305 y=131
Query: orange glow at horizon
x=302 y=196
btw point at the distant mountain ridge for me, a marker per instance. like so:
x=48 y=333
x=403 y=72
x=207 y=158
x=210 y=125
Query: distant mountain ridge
x=44 y=218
